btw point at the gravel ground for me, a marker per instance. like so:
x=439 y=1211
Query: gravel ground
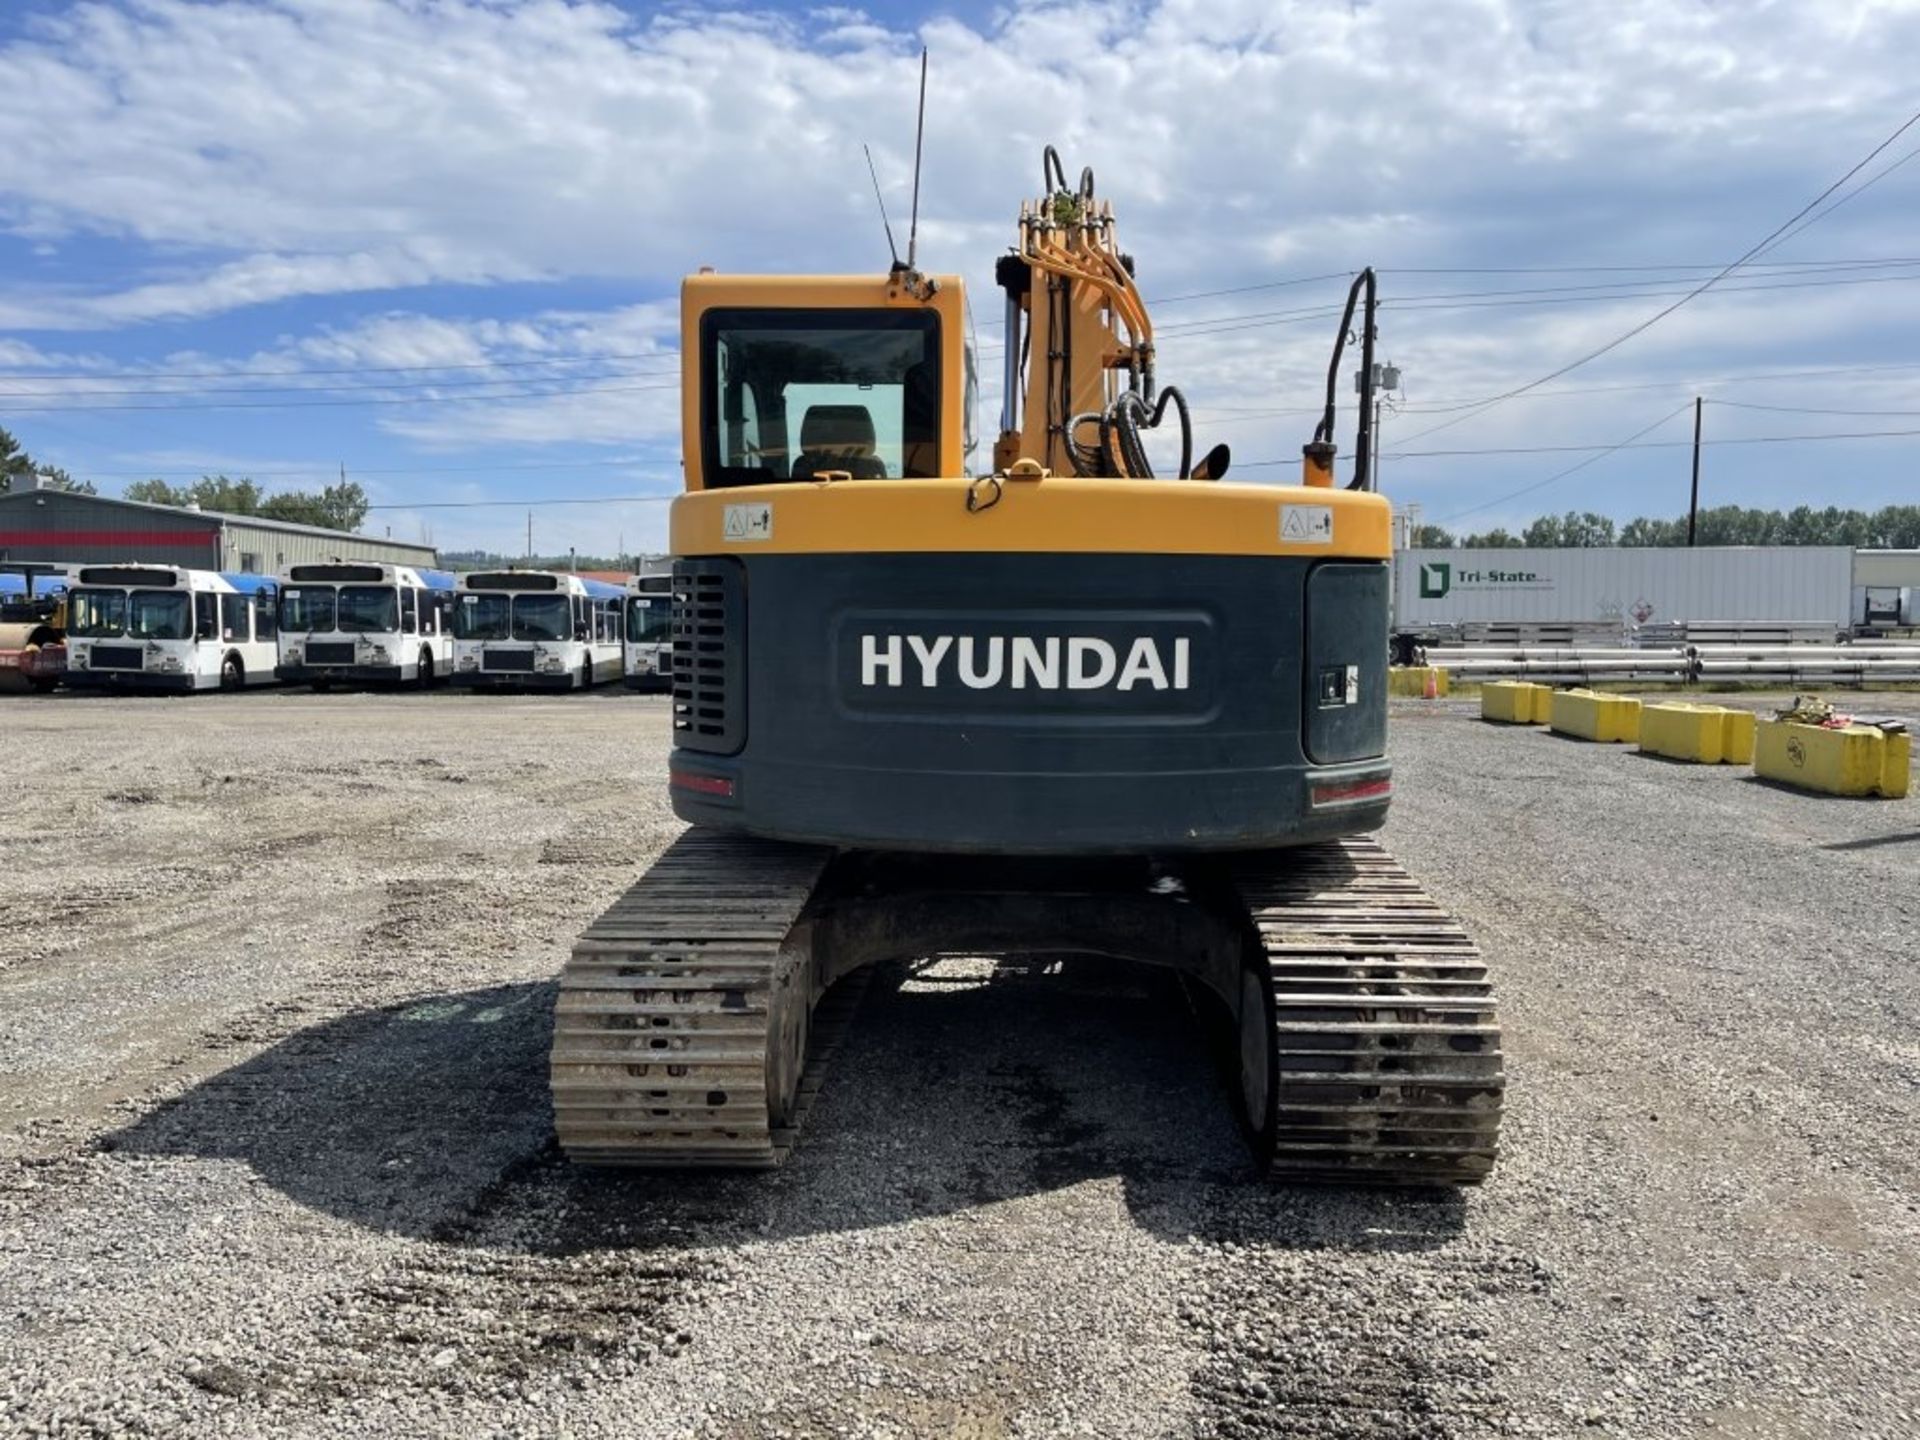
x=275 y=978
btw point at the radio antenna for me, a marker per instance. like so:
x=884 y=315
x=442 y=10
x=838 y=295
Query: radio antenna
x=919 y=133
x=891 y=247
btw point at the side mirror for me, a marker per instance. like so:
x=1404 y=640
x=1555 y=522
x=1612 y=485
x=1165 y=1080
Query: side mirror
x=580 y=632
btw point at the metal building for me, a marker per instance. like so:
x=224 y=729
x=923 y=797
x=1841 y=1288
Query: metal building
x=65 y=528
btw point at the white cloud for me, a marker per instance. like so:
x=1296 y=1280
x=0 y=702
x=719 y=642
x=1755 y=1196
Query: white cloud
x=329 y=146
x=264 y=150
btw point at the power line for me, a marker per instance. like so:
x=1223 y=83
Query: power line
x=87 y=394
x=1629 y=269
x=1483 y=300
x=1570 y=470
x=1700 y=289
x=1632 y=442
x=1447 y=407
x=1804 y=409
x=347 y=370
x=320 y=404
x=1851 y=195
x=326 y=473
x=1689 y=383
x=1653 y=444
x=522 y=504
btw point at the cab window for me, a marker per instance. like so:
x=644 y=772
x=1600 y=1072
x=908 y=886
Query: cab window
x=797 y=394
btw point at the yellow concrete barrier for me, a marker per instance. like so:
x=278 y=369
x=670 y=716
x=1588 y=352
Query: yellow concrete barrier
x=1587 y=716
x=1515 y=702
x=1854 y=760
x=1705 y=734
x=1417 y=681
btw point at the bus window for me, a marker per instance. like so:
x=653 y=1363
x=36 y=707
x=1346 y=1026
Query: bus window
x=234 y=624
x=409 y=611
x=429 y=614
x=264 y=625
x=206 y=617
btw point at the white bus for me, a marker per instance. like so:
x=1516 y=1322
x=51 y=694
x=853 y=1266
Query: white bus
x=164 y=627
x=536 y=628
x=649 y=642
x=347 y=622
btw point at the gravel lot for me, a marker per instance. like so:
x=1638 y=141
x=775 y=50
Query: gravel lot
x=275 y=978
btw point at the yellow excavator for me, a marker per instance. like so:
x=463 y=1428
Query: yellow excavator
x=1058 y=705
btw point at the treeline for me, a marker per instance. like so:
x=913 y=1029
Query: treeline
x=337 y=507
x=1892 y=527
x=18 y=468
x=461 y=561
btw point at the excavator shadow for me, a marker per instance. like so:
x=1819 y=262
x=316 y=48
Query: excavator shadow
x=967 y=1084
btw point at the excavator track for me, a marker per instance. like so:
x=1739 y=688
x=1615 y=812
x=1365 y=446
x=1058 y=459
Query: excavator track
x=682 y=1027
x=1386 y=1065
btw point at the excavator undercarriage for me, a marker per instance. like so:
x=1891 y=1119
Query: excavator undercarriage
x=696 y=1017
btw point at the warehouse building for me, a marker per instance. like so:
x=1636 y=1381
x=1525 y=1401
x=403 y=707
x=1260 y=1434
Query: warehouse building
x=65 y=528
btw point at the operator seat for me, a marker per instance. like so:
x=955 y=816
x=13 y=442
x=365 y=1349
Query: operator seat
x=838 y=437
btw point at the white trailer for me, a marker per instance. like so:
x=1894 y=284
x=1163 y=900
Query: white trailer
x=1806 y=585
x=1886 y=589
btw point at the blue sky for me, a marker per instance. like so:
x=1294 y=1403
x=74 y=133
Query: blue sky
x=437 y=242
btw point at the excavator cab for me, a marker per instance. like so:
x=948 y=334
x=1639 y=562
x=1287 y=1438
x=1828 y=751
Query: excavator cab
x=822 y=379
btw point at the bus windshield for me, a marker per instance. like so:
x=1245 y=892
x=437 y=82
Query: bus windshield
x=95 y=614
x=542 y=617
x=647 y=620
x=159 y=615
x=369 y=607
x=307 y=609
x=481 y=617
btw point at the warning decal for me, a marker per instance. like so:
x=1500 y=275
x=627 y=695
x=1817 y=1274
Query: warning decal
x=749 y=522
x=1306 y=524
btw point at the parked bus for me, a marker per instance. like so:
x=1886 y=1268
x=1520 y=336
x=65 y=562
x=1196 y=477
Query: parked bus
x=365 y=623
x=536 y=628
x=649 y=645
x=164 y=627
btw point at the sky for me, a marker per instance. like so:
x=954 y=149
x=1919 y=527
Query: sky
x=436 y=244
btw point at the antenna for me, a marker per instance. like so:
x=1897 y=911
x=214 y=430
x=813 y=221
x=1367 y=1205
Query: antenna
x=883 y=206
x=919 y=133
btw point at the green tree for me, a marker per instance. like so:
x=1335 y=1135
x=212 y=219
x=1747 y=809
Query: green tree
x=1641 y=531
x=209 y=492
x=1495 y=539
x=15 y=464
x=1571 y=530
x=338 y=507
x=1432 y=537
x=18 y=469
x=1896 y=527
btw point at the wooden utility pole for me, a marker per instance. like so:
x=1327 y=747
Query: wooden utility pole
x=1693 y=507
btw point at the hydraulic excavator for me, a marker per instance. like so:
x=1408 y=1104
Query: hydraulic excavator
x=1058 y=705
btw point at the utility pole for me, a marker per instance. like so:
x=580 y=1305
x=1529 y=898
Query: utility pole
x=1374 y=459
x=529 y=536
x=1693 y=507
x=1386 y=380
